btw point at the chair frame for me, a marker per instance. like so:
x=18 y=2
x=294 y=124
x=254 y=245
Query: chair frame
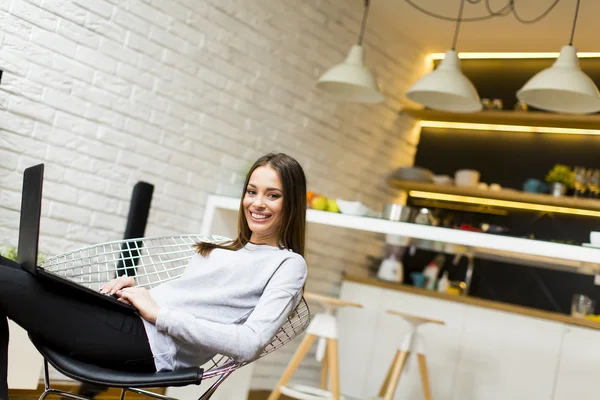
x=151 y=261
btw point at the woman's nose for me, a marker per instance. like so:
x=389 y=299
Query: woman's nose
x=259 y=201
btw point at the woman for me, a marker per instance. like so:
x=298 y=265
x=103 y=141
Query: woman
x=230 y=300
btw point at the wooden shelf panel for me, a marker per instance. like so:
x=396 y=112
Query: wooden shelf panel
x=523 y=118
x=504 y=194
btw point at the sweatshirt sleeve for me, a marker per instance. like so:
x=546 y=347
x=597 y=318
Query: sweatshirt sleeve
x=243 y=342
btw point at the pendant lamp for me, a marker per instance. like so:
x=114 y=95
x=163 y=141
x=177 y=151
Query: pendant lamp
x=563 y=87
x=447 y=88
x=351 y=80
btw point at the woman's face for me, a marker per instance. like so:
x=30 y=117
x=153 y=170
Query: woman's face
x=263 y=205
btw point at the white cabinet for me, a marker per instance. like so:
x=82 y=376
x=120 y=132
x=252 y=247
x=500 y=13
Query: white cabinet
x=507 y=356
x=442 y=344
x=480 y=353
x=357 y=335
x=579 y=366
x=369 y=338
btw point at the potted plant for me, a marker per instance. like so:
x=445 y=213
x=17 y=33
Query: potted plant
x=560 y=177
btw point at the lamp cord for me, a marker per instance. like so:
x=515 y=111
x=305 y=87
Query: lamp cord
x=457 y=29
x=509 y=8
x=363 y=23
x=574 y=23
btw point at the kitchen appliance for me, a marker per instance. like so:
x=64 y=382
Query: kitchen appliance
x=391 y=268
x=424 y=216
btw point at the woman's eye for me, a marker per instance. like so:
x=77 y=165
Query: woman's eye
x=250 y=191
x=274 y=196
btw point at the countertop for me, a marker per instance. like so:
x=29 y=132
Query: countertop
x=494 y=305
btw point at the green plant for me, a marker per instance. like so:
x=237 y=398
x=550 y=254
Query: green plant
x=9 y=252
x=560 y=173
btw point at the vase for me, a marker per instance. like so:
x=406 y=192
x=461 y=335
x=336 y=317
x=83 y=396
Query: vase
x=558 y=189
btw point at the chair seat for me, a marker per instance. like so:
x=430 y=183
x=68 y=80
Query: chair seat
x=93 y=374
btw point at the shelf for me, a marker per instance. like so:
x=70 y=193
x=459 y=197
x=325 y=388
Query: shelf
x=566 y=257
x=589 y=207
x=520 y=118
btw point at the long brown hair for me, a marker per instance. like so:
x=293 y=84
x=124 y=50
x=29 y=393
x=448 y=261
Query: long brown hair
x=293 y=225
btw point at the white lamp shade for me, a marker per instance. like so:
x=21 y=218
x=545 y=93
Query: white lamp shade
x=351 y=80
x=562 y=88
x=446 y=88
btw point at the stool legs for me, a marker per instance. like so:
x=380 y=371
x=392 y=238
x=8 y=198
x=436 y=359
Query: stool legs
x=386 y=381
x=332 y=355
x=324 y=370
x=294 y=363
x=424 y=376
x=396 y=371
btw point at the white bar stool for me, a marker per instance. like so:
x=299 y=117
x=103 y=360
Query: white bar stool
x=323 y=326
x=412 y=342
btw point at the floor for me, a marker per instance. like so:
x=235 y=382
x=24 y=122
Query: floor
x=115 y=394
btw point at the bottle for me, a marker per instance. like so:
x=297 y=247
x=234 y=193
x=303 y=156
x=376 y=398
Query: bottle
x=443 y=283
x=431 y=272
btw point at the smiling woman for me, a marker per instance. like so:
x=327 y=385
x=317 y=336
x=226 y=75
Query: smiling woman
x=273 y=206
x=230 y=300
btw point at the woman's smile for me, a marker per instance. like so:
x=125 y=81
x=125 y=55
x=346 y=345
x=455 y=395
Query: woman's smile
x=263 y=205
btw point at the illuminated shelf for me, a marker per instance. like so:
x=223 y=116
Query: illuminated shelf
x=509 y=197
x=510 y=118
x=220 y=218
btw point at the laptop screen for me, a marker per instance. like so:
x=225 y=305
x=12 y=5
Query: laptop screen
x=31 y=210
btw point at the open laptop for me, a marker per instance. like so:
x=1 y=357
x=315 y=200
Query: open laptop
x=29 y=232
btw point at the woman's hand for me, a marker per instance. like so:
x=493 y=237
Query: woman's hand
x=141 y=299
x=115 y=285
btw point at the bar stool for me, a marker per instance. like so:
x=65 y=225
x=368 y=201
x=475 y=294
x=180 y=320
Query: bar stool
x=323 y=326
x=412 y=342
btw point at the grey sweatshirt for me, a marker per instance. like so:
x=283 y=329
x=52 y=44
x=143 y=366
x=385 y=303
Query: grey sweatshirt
x=230 y=303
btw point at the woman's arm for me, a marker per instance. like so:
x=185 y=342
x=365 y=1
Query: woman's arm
x=242 y=342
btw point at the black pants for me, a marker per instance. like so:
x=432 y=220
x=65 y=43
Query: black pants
x=76 y=324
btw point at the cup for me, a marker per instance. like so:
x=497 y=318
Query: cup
x=581 y=306
x=418 y=279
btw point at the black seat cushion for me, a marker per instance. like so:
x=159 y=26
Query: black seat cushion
x=96 y=375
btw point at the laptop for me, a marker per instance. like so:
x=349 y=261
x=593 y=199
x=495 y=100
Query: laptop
x=29 y=232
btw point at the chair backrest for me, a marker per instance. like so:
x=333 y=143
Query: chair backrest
x=153 y=261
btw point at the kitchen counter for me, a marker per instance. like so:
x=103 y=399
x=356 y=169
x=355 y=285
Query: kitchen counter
x=494 y=305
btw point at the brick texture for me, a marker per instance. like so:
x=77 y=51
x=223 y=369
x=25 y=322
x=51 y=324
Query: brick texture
x=186 y=95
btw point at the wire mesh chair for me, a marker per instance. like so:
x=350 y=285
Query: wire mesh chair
x=151 y=261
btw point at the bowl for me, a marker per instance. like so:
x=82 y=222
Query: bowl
x=415 y=174
x=442 y=180
x=352 y=207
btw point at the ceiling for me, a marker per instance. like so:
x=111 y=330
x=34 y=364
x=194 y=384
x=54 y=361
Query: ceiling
x=496 y=34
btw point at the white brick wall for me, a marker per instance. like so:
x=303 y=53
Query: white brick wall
x=186 y=95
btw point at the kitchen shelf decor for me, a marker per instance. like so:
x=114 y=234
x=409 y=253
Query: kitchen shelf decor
x=220 y=217
x=505 y=198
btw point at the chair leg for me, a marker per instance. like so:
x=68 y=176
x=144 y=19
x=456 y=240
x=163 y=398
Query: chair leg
x=424 y=376
x=324 y=370
x=395 y=377
x=293 y=364
x=334 y=374
x=386 y=381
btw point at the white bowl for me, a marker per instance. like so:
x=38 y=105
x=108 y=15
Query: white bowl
x=442 y=180
x=595 y=238
x=352 y=207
